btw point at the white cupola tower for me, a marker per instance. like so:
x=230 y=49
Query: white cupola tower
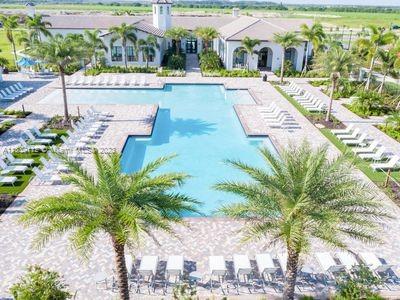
x=162 y=14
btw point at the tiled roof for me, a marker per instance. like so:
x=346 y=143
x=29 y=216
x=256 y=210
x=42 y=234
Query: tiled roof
x=161 y=1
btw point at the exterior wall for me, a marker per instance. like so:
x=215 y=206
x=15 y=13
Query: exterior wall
x=253 y=59
x=107 y=39
x=140 y=61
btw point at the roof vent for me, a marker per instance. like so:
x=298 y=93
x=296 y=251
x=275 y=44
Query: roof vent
x=235 y=12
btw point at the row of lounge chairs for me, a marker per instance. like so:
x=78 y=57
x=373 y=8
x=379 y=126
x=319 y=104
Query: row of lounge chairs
x=10 y=166
x=275 y=117
x=367 y=148
x=103 y=80
x=83 y=134
x=14 y=92
x=304 y=98
x=269 y=272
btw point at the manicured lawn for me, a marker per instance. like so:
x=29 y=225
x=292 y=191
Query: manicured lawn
x=6 y=49
x=375 y=176
x=23 y=179
x=352 y=19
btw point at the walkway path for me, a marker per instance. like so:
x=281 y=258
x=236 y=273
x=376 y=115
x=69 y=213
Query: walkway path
x=192 y=65
x=348 y=117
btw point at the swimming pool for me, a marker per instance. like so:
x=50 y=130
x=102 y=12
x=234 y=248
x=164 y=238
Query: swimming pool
x=196 y=122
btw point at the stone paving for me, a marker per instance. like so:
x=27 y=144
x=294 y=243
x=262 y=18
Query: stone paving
x=201 y=238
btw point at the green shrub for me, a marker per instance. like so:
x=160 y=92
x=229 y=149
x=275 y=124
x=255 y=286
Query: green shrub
x=316 y=74
x=119 y=69
x=5 y=126
x=176 y=62
x=72 y=68
x=317 y=83
x=170 y=73
x=358 y=286
x=369 y=103
x=16 y=113
x=289 y=70
x=232 y=73
x=209 y=61
x=40 y=284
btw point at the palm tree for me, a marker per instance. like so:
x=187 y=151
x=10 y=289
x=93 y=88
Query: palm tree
x=248 y=47
x=126 y=207
x=3 y=62
x=207 y=34
x=37 y=26
x=10 y=24
x=286 y=40
x=337 y=63
x=60 y=52
x=306 y=196
x=25 y=38
x=94 y=43
x=148 y=47
x=124 y=33
x=177 y=34
x=315 y=35
x=388 y=65
x=379 y=37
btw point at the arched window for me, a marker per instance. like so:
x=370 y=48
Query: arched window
x=239 y=58
x=291 y=55
x=167 y=10
x=161 y=10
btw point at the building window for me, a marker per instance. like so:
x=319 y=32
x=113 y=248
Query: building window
x=161 y=10
x=151 y=58
x=116 y=53
x=167 y=10
x=130 y=54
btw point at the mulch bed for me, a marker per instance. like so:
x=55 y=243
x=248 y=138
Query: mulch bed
x=320 y=119
x=5 y=202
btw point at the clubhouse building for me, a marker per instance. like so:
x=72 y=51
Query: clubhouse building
x=232 y=29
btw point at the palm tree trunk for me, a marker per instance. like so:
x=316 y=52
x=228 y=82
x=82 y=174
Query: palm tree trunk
x=125 y=58
x=15 y=53
x=147 y=63
x=291 y=274
x=122 y=273
x=306 y=61
x=64 y=93
x=328 y=112
x=382 y=84
x=282 y=64
x=370 y=73
x=178 y=47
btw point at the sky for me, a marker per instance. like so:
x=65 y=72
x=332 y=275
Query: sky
x=345 y=2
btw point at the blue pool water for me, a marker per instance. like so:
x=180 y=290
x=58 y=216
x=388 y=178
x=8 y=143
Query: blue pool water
x=196 y=122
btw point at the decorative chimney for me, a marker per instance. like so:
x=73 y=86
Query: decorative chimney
x=30 y=9
x=235 y=12
x=162 y=14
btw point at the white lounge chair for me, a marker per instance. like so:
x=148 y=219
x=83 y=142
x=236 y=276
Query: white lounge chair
x=17 y=91
x=56 y=166
x=368 y=149
x=8 y=180
x=391 y=164
x=379 y=155
x=345 y=131
x=329 y=267
x=7 y=97
x=80 y=80
x=361 y=140
x=218 y=270
x=35 y=140
x=266 y=268
x=374 y=263
x=19 y=161
x=147 y=272
x=46 y=177
x=6 y=169
x=351 y=136
x=174 y=269
x=28 y=147
x=134 y=81
x=243 y=271
x=27 y=88
x=347 y=260
x=43 y=135
x=143 y=81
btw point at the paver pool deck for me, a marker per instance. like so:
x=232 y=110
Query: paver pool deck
x=201 y=238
